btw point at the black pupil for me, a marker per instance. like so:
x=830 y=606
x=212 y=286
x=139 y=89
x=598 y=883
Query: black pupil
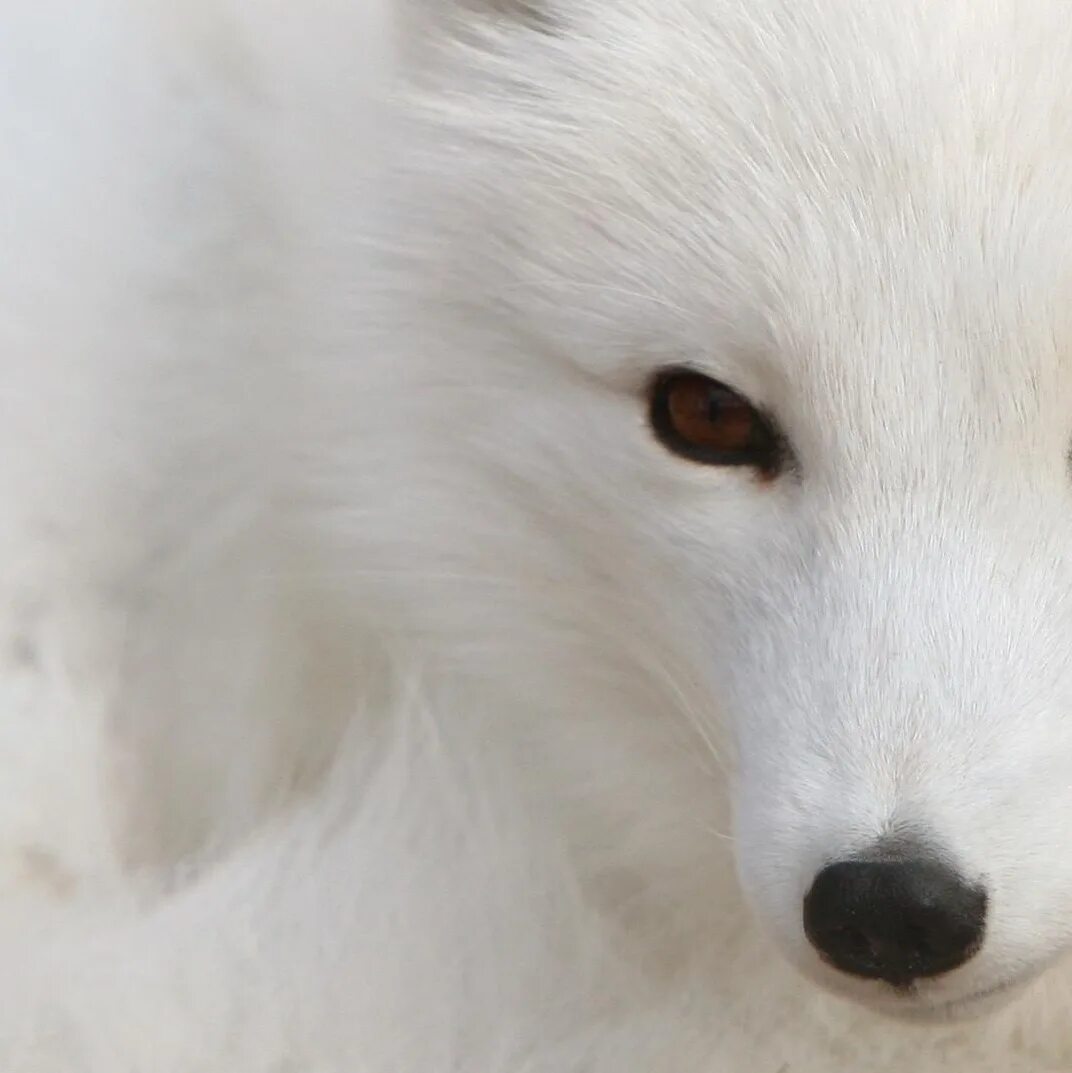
x=716 y=404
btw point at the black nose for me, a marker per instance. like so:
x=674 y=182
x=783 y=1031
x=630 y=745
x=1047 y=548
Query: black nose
x=894 y=920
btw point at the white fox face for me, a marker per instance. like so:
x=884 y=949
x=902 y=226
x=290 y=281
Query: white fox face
x=773 y=307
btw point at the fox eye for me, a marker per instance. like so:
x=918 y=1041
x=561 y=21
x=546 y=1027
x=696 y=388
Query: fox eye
x=704 y=420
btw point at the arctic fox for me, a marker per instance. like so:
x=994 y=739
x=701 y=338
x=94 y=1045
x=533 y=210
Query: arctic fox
x=537 y=536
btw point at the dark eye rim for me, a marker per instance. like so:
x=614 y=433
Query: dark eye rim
x=765 y=453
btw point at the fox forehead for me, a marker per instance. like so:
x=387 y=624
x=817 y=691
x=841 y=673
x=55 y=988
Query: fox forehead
x=882 y=196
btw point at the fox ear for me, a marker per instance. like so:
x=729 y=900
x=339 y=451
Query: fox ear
x=420 y=23
x=535 y=13
x=531 y=11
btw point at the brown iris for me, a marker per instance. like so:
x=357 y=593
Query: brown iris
x=706 y=421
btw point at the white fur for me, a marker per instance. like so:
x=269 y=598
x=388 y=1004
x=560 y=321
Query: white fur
x=379 y=694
